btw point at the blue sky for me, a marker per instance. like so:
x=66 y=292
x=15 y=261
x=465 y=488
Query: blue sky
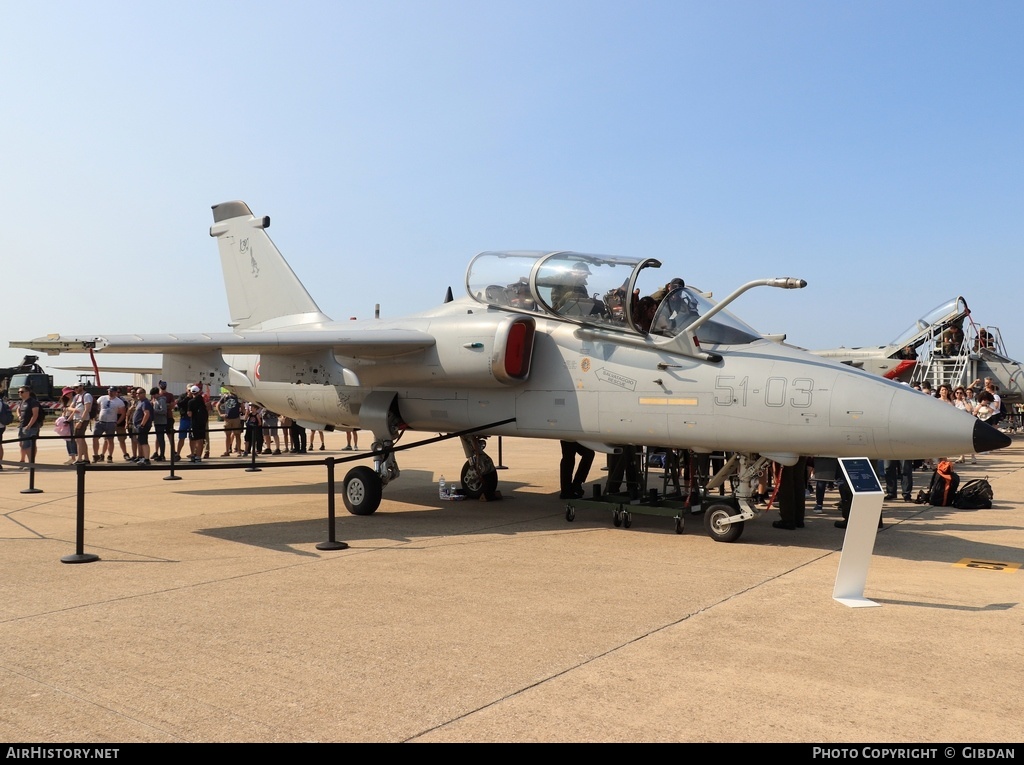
x=875 y=149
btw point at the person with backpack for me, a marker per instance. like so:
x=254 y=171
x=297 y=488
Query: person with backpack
x=199 y=415
x=231 y=411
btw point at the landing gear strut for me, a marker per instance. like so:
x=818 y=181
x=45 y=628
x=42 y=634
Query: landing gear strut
x=363 y=486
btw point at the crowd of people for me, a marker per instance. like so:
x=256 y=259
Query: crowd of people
x=981 y=399
x=142 y=424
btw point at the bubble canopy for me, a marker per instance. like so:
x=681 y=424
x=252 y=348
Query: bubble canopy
x=593 y=290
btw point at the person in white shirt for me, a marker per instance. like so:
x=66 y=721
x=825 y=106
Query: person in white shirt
x=111 y=414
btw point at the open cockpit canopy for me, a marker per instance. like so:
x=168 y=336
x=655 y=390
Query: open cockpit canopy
x=951 y=312
x=597 y=291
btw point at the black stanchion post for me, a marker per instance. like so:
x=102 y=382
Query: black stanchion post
x=499 y=466
x=331 y=543
x=170 y=445
x=32 y=471
x=80 y=555
x=253 y=448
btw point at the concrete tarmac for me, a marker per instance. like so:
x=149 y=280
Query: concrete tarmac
x=211 y=615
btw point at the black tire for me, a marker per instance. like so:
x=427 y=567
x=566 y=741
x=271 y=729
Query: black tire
x=716 y=529
x=616 y=518
x=474 y=485
x=627 y=519
x=570 y=513
x=680 y=523
x=362 y=491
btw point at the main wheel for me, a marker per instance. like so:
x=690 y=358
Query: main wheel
x=570 y=513
x=474 y=484
x=680 y=523
x=716 y=527
x=362 y=491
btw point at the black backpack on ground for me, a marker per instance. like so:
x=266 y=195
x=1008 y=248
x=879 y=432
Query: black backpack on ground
x=937 y=494
x=976 y=494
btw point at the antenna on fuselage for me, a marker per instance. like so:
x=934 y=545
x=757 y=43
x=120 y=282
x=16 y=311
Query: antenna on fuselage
x=448 y=297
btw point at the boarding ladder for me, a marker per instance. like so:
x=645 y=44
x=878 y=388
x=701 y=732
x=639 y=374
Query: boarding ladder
x=961 y=367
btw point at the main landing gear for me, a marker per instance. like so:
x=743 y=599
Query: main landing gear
x=362 y=490
x=363 y=487
x=479 y=477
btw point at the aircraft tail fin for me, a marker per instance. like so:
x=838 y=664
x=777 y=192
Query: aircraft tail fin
x=263 y=291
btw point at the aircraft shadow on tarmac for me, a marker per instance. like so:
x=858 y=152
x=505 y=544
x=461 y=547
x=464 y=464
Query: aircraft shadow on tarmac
x=901 y=538
x=434 y=519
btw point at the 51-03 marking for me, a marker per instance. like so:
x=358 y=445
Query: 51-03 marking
x=778 y=391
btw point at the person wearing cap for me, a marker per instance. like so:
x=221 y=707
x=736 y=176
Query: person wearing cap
x=111 y=414
x=63 y=410
x=184 y=423
x=200 y=416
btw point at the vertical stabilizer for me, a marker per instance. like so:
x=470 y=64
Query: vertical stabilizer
x=263 y=291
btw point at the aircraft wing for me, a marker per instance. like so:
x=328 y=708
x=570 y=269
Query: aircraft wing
x=364 y=343
x=112 y=368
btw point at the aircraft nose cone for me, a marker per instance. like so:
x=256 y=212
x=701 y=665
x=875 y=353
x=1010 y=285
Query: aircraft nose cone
x=987 y=438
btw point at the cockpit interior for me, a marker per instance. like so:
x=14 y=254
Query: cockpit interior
x=600 y=291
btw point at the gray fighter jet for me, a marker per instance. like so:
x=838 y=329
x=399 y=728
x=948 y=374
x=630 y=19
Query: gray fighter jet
x=557 y=345
x=946 y=345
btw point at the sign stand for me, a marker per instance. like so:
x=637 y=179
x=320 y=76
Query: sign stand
x=861 y=529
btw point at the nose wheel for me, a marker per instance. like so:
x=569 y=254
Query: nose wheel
x=716 y=523
x=622 y=518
